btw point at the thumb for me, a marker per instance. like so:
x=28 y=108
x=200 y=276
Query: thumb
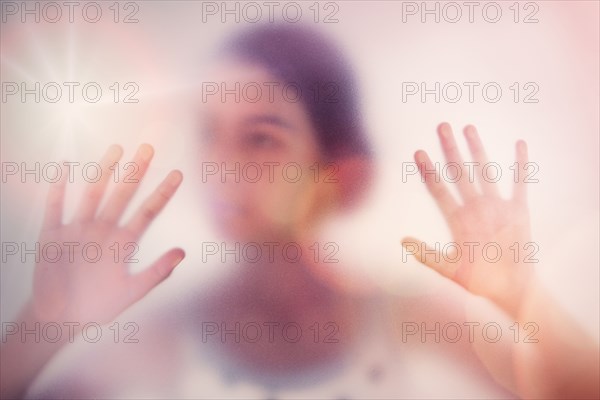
x=145 y=281
x=428 y=256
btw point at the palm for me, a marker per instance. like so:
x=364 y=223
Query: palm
x=83 y=276
x=492 y=233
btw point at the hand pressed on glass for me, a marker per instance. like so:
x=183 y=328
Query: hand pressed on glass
x=483 y=217
x=76 y=290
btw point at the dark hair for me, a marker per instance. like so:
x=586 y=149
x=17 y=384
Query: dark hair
x=305 y=58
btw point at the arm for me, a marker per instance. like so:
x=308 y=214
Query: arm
x=564 y=363
x=75 y=291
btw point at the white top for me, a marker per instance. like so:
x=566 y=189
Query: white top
x=171 y=361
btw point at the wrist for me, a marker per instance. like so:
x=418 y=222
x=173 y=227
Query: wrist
x=515 y=301
x=30 y=328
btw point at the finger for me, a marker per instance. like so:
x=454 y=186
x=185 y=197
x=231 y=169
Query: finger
x=128 y=185
x=154 y=204
x=55 y=201
x=452 y=154
x=145 y=281
x=95 y=191
x=488 y=187
x=428 y=257
x=520 y=188
x=438 y=190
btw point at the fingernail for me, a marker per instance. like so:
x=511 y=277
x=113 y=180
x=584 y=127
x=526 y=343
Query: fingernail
x=175 y=177
x=419 y=156
x=444 y=130
x=178 y=259
x=115 y=151
x=146 y=152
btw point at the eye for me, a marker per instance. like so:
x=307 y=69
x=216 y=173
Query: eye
x=262 y=140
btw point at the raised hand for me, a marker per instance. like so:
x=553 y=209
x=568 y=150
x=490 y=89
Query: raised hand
x=85 y=286
x=480 y=224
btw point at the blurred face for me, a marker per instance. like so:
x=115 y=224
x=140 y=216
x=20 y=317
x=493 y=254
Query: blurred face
x=259 y=154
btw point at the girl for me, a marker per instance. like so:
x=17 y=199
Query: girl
x=283 y=320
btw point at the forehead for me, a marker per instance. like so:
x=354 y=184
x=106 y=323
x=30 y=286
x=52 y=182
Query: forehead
x=232 y=91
